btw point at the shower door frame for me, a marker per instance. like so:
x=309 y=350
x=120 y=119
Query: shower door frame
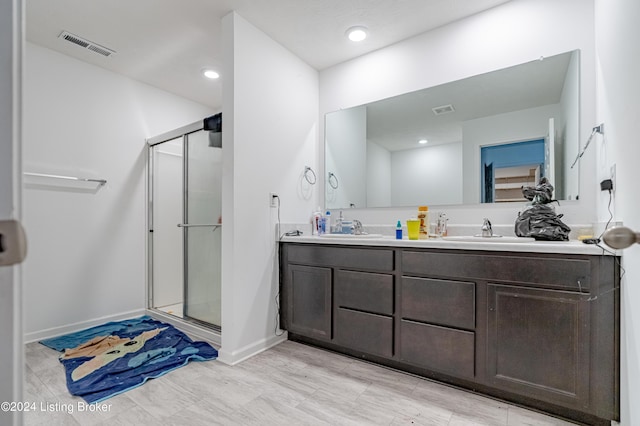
x=182 y=132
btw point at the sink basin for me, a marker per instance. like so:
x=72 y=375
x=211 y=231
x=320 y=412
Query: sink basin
x=350 y=236
x=494 y=239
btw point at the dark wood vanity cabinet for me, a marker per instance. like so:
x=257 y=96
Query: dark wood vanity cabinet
x=340 y=294
x=537 y=329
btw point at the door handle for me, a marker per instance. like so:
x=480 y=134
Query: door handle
x=200 y=225
x=620 y=237
x=13 y=243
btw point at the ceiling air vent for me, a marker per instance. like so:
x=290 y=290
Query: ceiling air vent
x=86 y=44
x=444 y=109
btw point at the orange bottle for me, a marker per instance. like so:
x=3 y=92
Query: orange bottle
x=423 y=217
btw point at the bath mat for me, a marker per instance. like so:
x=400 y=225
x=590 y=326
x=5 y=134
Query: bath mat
x=109 y=359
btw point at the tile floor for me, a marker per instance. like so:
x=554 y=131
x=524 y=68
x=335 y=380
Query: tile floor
x=290 y=384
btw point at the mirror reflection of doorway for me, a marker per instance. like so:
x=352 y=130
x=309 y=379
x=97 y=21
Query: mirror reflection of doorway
x=506 y=168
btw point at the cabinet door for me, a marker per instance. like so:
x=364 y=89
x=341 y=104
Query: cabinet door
x=538 y=343
x=309 y=301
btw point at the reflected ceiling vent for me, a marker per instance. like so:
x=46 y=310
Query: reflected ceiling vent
x=444 y=109
x=86 y=44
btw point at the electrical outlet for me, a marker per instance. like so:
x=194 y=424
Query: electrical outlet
x=612 y=173
x=273 y=199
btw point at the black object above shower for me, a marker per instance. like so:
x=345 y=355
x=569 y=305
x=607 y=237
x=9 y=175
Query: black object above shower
x=213 y=125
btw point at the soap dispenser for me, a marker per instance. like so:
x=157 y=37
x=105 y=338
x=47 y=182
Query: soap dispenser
x=399 y=231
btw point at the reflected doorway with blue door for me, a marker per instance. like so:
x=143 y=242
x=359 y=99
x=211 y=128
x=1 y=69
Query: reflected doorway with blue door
x=506 y=168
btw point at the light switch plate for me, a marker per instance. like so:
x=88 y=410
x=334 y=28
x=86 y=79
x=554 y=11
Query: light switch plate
x=13 y=243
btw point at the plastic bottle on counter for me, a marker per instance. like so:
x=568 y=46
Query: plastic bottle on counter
x=441 y=226
x=399 y=231
x=327 y=222
x=316 y=217
x=423 y=217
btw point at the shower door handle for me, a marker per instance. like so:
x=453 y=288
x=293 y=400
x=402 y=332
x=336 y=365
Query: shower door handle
x=200 y=225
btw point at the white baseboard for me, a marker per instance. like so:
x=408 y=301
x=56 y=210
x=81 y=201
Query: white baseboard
x=36 y=336
x=236 y=357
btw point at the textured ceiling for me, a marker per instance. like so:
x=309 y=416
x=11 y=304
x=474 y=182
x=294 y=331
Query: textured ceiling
x=166 y=43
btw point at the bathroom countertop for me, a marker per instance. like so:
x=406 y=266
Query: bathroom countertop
x=565 y=247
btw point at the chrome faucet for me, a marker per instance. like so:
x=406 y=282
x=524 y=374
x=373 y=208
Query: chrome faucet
x=357 y=228
x=487 y=231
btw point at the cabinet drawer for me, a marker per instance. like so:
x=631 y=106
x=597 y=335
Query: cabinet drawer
x=438 y=348
x=364 y=291
x=368 y=333
x=442 y=302
x=548 y=271
x=345 y=257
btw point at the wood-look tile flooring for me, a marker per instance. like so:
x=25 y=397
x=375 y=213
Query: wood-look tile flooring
x=290 y=384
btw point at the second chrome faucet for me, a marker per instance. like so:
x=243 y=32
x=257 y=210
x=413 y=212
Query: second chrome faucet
x=487 y=230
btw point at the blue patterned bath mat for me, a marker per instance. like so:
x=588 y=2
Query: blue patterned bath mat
x=109 y=359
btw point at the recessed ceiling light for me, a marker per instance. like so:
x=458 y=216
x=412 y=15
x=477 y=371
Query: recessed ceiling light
x=210 y=74
x=423 y=141
x=357 y=33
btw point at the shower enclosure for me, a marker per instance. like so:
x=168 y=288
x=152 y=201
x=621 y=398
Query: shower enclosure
x=185 y=225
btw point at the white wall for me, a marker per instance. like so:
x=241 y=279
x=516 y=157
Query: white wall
x=430 y=175
x=510 y=127
x=87 y=250
x=346 y=157
x=270 y=102
x=512 y=33
x=617 y=32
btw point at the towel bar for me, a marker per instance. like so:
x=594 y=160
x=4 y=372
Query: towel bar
x=99 y=181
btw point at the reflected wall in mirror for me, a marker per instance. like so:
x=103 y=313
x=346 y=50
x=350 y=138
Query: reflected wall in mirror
x=373 y=157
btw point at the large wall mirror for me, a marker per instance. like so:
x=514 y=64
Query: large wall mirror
x=477 y=140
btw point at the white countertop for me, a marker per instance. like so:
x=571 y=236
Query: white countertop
x=565 y=247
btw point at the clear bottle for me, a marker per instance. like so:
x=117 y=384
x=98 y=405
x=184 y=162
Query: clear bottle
x=441 y=226
x=423 y=217
x=337 y=227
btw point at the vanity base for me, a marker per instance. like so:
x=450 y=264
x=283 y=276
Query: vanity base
x=537 y=329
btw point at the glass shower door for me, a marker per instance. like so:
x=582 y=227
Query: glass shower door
x=202 y=229
x=185 y=229
x=166 y=193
